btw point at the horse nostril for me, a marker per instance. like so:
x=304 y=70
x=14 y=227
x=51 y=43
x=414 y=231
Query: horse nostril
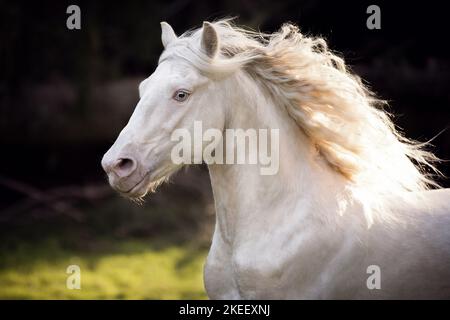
x=124 y=166
x=124 y=163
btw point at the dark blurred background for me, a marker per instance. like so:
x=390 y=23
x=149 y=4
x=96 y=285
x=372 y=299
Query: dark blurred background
x=66 y=94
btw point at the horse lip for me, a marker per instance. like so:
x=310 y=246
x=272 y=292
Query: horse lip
x=155 y=176
x=134 y=187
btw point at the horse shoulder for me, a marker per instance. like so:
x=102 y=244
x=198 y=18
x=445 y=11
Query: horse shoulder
x=418 y=240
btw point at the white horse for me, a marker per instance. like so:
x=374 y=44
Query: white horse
x=349 y=213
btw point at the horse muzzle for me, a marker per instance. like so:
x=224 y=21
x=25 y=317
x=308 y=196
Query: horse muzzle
x=125 y=174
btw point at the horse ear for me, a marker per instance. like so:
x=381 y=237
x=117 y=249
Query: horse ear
x=210 y=40
x=167 y=34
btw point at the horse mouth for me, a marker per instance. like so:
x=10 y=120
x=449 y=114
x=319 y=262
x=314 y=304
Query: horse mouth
x=148 y=183
x=138 y=190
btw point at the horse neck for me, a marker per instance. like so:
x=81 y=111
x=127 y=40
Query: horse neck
x=244 y=197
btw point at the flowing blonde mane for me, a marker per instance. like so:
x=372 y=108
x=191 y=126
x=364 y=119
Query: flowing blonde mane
x=341 y=117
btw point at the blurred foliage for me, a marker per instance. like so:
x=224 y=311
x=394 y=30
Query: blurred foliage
x=154 y=250
x=128 y=270
x=79 y=222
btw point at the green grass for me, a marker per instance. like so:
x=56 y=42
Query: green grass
x=125 y=270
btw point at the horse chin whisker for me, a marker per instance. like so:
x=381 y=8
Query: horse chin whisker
x=164 y=175
x=139 y=200
x=155 y=184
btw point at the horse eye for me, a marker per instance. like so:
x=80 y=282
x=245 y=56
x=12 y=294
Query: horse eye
x=181 y=95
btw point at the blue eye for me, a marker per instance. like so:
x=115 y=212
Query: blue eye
x=181 y=95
